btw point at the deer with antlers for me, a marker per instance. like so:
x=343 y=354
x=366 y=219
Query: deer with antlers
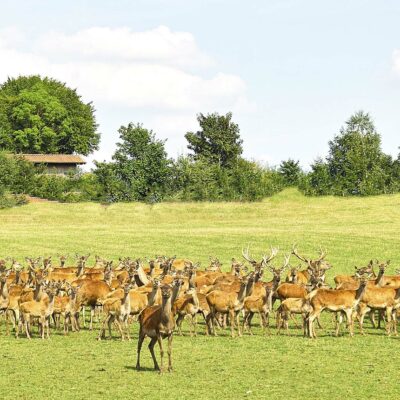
x=158 y=323
x=318 y=265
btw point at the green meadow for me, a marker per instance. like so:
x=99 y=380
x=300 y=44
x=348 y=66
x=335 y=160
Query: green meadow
x=353 y=230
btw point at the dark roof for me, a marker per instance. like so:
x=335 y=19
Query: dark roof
x=54 y=158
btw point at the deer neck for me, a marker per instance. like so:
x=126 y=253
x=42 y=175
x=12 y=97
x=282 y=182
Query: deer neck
x=3 y=290
x=196 y=302
x=192 y=283
x=359 y=292
x=152 y=296
x=126 y=301
x=242 y=293
x=50 y=307
x=141 y=275
x=166 y=309
x=80 y=270
x=175 y=293
x=249 y=287
x=379 y=278
x=38 y=293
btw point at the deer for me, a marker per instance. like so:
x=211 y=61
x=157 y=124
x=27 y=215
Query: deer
x=229 y=302
x=386 y=299
x=261 y=305
x=158 y=322
x=92 y=291
x=341 y=280
x=118 y=311
x=38 y=309
x=319 y=265
x=343 y=301
x=188 y=305
x=4 y=296
x=297 y=305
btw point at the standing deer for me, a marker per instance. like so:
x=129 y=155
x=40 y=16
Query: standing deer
x=158 y=323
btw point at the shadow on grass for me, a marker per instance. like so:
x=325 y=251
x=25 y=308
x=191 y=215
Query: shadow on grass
x=142 y=369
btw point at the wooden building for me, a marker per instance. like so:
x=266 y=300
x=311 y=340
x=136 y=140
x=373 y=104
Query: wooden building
x=60 y=164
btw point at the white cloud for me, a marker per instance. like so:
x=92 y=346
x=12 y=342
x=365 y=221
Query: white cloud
x=119 y=69
x=132 y=69
x=159 y=45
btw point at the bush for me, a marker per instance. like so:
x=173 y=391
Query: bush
x=200 y=180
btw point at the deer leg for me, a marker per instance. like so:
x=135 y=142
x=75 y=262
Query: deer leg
x=389 y=311
x=394 y=322
x=92 y=312
x=139 y=348
x=194 y=321
x=102 y=332
x=118 y=323
x=159 y=340
x=311 y=318
x=170 y=352
x=239 y=327
x=232 y=321
x=179 y=324
x=84 y=316
x=372 y=318
x=294 y=320
x=110 y=320
x=26 y=328
x=349 y=317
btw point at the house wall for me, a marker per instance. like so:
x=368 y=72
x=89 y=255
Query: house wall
x=60 y=169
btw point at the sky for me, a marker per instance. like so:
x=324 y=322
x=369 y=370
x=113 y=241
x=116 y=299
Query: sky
x=291 y=72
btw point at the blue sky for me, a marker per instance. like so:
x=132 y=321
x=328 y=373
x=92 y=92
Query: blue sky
x=291 y=71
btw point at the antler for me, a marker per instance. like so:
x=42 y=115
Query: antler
x=274 y=252
x=247 y=256
x=295 y=253
x=322 y=253
x=286 y=262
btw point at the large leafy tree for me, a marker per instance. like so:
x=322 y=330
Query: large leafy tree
x=42 y=115
x=290 y=171
x=356 y=162
x=218 y=141
x=140 y=169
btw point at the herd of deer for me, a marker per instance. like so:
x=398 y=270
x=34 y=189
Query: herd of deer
x=165 y=291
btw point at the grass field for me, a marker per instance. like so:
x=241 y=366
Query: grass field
x=78 y=367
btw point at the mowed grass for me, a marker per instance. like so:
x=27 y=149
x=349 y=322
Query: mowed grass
x=278 y=367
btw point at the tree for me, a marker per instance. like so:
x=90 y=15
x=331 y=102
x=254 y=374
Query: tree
x=355 y=160
x=218 y=141
x=290 y=171
x=140 y=169
x=42 y=115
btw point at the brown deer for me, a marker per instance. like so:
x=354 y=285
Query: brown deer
x=91 y=292
x=386 y=299
x=341 y=280
x=319 y=265
x=38 y=309
x=335 y=300
x=118 y=311
x=158 y=323
x=261 y=305
x=188 y=305
x=229 y=302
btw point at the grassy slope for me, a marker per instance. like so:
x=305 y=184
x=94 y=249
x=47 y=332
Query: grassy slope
x=353 y=230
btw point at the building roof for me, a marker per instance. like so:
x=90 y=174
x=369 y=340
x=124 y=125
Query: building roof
x=54 y=158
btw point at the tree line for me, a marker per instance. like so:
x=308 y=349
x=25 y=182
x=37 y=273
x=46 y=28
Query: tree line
x=41 y=115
